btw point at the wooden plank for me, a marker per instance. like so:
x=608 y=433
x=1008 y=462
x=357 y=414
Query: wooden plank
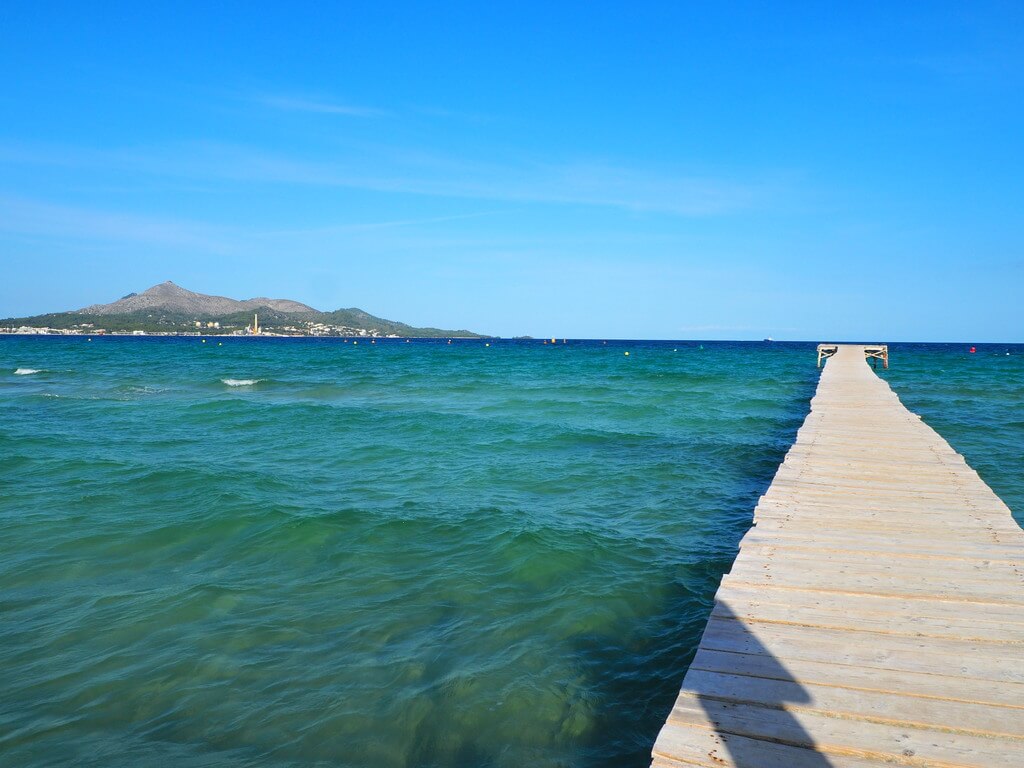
x=997 y=662
x=977 y=533
x=781 y=532
x=863 y=501
x=979 y=536
x=998 y=577
x=685 y=745
x=924 y=618
x=883 y=583
x=886 y=707
x=800 y=550
x=976 y=565
x=830 y=735
x=949 y=686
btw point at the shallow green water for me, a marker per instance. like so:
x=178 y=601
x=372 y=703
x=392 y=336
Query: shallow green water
x=394 y=554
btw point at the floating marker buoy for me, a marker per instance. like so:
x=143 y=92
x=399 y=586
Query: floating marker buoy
x=204 y=341
x=675 y=350
x=626 y=354
x=487 y=344
x=220 y=343
x=355 y=342
x=973 y=350
x=88 y=339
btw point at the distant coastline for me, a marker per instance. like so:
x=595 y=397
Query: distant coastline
x=168 y=309
x=34 y=331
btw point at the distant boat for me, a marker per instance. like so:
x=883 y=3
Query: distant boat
x=769 y=339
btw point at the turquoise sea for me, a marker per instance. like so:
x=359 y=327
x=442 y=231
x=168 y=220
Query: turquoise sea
x=275 y=552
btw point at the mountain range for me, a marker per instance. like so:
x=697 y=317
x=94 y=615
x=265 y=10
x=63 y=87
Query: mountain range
x=169 y=297
x=169 y=308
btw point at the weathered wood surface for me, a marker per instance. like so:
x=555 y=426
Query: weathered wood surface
x=875 y=613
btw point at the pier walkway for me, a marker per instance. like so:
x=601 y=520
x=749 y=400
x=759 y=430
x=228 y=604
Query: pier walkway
x=875 y=613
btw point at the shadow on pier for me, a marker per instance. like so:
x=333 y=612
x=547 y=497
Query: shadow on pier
x=745 y=693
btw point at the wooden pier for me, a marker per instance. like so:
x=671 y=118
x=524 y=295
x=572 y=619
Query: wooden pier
x=875 y=613
x=872 y=352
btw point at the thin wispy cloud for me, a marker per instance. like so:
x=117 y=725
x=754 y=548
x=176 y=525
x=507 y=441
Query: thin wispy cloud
x=331 y=229
x=82 y=224
x=392 y=171
x=21 y=216
x=317 y=106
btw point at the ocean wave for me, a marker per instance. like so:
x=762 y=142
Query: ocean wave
x=26 y=371
x=140 y=389
x=241 y=382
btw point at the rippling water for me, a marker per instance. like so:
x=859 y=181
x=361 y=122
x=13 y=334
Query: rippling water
x=302 y=552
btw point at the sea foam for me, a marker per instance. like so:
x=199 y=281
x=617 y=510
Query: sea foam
x=25 y=371
x=241 y=382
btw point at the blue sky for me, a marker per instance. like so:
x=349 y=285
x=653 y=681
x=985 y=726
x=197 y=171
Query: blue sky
x=651 y=170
